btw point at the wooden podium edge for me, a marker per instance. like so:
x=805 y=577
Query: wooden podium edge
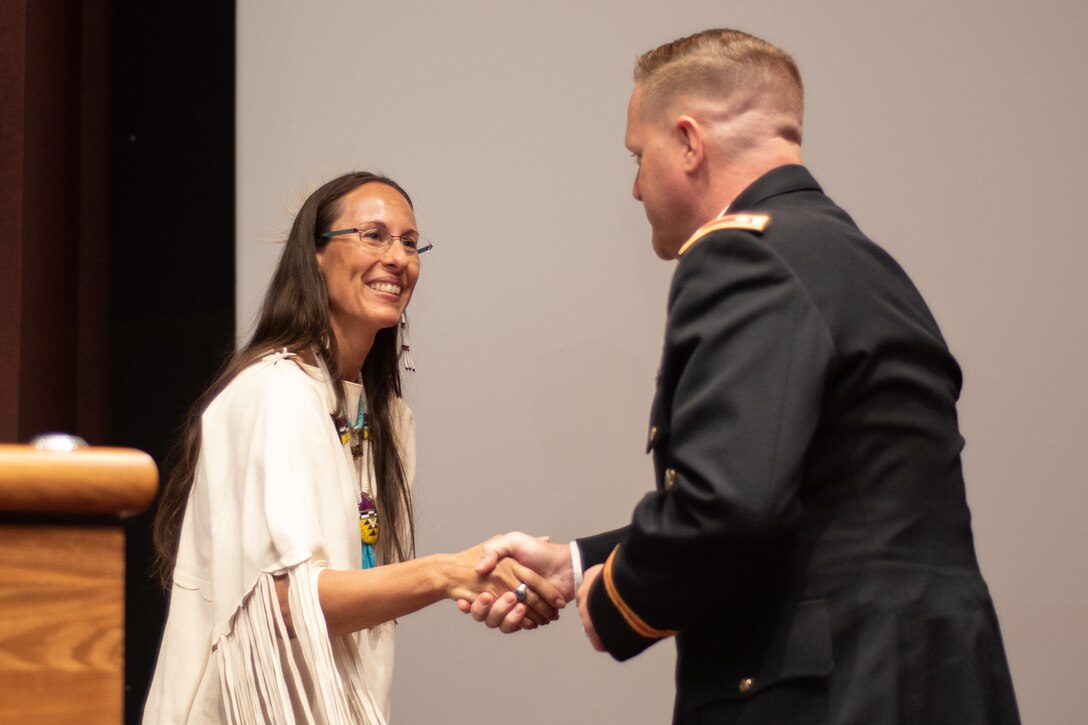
x=94 y=481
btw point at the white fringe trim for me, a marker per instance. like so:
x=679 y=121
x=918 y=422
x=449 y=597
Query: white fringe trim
x=267 y=677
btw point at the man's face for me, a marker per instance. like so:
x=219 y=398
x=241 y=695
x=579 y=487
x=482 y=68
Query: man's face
x=660 y=182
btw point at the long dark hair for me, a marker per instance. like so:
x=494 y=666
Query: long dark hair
x=295 y=316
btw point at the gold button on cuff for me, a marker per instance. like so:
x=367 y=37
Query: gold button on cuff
x=670 y=478
x=653 y=435
x=746 y=685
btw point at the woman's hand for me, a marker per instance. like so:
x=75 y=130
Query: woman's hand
x=542 y=599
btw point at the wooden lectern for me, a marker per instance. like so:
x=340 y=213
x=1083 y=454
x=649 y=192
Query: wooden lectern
x=62 y=580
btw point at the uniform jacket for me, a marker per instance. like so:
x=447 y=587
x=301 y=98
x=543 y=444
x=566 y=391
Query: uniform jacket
x=809 y=541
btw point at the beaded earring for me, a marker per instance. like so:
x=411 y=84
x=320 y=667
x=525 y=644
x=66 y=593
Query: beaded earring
x=405 y=348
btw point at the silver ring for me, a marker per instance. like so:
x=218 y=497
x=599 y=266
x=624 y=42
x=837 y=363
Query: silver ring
x=521 y=592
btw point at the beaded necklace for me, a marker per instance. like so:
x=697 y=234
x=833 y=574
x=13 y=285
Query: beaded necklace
x=359 y=436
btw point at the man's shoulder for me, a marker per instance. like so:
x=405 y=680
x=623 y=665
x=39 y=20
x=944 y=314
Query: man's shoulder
x=755 y=223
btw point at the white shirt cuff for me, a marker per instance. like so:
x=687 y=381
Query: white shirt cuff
x=576 y=566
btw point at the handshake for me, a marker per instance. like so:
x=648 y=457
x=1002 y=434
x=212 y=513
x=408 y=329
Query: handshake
x=539 y=580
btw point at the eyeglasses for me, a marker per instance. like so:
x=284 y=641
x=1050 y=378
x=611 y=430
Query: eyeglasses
x=379 y=240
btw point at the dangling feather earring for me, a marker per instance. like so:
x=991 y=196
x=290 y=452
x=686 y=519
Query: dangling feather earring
x=405 y=348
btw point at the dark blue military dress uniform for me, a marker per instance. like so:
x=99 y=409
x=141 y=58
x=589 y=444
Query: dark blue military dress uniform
x=809 y=541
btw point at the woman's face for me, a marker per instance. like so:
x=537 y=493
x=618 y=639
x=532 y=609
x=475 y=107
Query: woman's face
x=368 y=288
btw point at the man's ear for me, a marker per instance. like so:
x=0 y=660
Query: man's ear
x=691 y=136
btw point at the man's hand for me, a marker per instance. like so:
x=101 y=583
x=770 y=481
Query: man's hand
x=551 y=561
x=539 y=602
x=588 y=578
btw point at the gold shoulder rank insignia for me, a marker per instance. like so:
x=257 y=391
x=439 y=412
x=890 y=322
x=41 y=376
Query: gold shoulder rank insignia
x=748 y=222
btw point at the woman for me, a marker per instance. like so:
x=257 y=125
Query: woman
x=285 y=530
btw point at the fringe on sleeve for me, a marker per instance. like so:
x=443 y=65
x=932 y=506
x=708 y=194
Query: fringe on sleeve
x=267 y=677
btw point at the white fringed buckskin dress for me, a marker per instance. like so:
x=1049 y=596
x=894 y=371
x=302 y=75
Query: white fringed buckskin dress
x=274 y=494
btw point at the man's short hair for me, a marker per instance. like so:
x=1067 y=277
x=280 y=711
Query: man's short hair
x=717 y=63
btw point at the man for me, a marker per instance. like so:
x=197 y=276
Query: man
x=809 y=541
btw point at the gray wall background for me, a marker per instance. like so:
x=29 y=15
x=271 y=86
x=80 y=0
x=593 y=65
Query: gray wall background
x=953 y=131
